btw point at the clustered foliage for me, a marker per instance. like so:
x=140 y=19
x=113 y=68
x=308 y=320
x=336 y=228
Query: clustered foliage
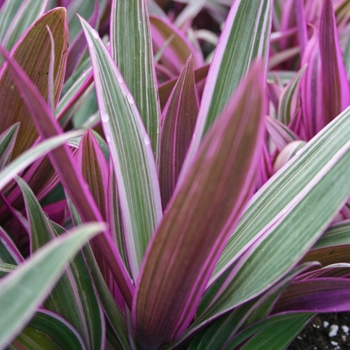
x=173 y=174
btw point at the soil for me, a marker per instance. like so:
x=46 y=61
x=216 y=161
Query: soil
x=325 y=331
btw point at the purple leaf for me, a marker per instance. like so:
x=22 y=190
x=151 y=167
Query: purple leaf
x=178 y=121
x=69 y=175
x=316 y=295
x=200 y=217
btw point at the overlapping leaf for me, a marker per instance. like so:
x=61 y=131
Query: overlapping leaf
x=131 y=47
x=66 y=298
x=244 y=37
x=178 y=121
x=131 y=152
x=69 y=175
x=199 y=217
x=26 y=287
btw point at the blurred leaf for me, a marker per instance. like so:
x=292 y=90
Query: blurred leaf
x=131 y=47
x=201 y=214
x=33 y=53
x=280 y=134
x=25 y=15
x=178 y=51
x=7 y=143
x=178 y=121
x=23 y=290
x=131 y=152
x=8 y=251
x=69 y=175
x=289 y=101
x=244 y=37
x=52 y=329
x=7 y=13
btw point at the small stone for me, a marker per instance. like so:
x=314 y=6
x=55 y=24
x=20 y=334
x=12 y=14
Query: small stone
x=334 y=330
x=325 y=324
x=345 y=329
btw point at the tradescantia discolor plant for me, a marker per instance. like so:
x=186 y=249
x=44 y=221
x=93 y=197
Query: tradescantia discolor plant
x=166 y=184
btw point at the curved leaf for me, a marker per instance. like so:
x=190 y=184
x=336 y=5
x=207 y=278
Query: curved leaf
x=131 y=152
x=22 y=291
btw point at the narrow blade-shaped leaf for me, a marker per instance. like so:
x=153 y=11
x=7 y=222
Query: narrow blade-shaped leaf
x=131 y=152
x=70 y=176
x=202 y=212
x=26 y=14
x=244 y=37
x=178 y=122
x=84 y=313
x=316 y=295
x=54 y=328
x=26 y=287
x=34 y=153
x=7 y=143
x=131 y=43
x=335 y=85
x=33 y=54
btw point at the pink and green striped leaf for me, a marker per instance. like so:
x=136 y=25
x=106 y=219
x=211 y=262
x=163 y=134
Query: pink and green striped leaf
x=244 y=37
x=131 y=152
x=131 y=47
x=16 y=24
x=48 y=330
x=24 y=289
x=178 y=121
x=7 y=144
x=69 y=175
x=203 y=210
x=302 y=200
x=84 y=313
x=179 y=49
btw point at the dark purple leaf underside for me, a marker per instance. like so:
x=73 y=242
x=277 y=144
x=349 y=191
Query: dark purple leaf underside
x=177 y=127
x=316 y=295
x=69 y=175
x=201 y=215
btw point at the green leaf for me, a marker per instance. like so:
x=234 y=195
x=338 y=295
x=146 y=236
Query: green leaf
x=245 y=37
x=131 y=152
x=33 y=54
x=47 y=330
x=17 y=24
x=131 y=47
x=84 y=313
x=7 y=143
x=23 y=290
x=7 y=13
x=287 y=330
x=34 y=153
x=286 y=217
